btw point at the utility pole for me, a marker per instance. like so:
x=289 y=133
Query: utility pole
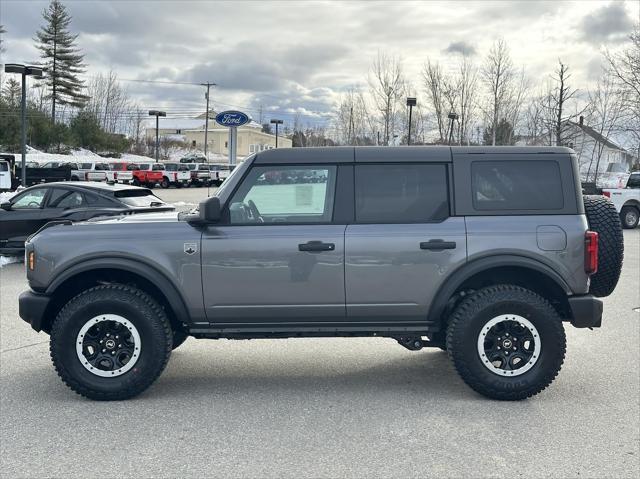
x=206 y=119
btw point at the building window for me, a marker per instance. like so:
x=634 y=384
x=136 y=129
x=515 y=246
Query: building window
x=193 y=143
x=252 y=148
x=178 y=132
x=226 y=144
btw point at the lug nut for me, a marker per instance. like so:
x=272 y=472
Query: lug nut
x=104 y=350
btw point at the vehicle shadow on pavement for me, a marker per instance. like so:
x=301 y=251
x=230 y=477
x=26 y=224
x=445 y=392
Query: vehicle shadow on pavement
x=426 y=373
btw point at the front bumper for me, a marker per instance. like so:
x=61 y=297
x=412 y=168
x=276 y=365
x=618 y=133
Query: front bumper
x=32 y=308
x=586 y=311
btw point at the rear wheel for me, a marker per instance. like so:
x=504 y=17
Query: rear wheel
x=165 y=183
x=604 y=220
x=506 y=342
x=110 y=342
x=629 y=216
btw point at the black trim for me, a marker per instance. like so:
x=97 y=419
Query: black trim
x=147 y=271
x=32 y=308
x=586 y=311
x=344 y=200
x=458 y=277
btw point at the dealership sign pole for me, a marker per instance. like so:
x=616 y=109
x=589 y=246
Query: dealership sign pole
x=232 y=119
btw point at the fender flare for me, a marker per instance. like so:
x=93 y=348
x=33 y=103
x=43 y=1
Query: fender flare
x=459 y=276
x=140 y=268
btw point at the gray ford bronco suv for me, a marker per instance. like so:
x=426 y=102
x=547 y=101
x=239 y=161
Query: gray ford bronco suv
x=484 y=252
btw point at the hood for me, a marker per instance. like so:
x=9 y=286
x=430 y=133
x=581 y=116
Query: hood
x=160 y=217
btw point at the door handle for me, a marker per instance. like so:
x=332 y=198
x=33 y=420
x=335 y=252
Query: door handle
x=437 y=245
x=316 y=246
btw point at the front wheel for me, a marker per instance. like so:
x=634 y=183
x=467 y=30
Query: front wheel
x=629 y=216
x=165 y=183
x=506 y=342
x=110 y=342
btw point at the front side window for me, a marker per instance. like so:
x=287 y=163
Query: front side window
x=401 y=193
x=285 y=194
x=516 y=185
x=31 y=199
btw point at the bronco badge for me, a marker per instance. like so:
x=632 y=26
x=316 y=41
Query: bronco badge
x=190 y=248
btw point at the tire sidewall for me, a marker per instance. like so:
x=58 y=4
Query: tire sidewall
x=465 y=338
x=152 y=348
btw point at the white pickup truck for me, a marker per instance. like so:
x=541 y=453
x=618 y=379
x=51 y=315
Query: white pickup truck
x=627 y=200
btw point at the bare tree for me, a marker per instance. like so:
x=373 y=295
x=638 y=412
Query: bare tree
x=435 y=85
x=386 y=81
x=497 y=74
x=561 y=94
x=467 y=88
x=109 y=103
x=624 y=66
x=606 y=110
x=352 y=121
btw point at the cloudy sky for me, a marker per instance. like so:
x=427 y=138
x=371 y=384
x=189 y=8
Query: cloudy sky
x=299 y=56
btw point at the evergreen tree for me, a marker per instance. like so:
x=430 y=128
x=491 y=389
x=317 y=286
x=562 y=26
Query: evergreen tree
x=62 y=59
x=12 y=93
x=504 y=134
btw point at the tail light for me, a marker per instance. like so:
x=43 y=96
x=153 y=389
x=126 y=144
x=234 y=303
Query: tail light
x=591 y=252
x=607 y=194
x=115 y=175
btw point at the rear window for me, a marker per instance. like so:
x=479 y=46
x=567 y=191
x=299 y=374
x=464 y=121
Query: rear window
x=409 y=193
x=157 y=167
x=138 y=197
x=85 y=166
x=144 y=166
x=516 y=185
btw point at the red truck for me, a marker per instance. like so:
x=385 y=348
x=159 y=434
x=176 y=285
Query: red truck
x=149 y=174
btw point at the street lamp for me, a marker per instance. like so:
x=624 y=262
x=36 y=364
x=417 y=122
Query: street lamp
x=453 y=116
x=157 y=114
x=25 y=71
x=276 y=122
x=411 y=102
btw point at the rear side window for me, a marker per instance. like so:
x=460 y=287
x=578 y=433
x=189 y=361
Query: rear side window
x=516 y=185
x=401 y=193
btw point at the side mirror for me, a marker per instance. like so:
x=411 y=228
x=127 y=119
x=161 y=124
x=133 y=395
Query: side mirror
x=210 y=210
x=6 y=206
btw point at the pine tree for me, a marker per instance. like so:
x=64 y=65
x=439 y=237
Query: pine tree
x=62 y=59
x=12 y=93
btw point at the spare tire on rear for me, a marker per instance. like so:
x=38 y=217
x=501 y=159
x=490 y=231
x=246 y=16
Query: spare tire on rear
x=604 y=220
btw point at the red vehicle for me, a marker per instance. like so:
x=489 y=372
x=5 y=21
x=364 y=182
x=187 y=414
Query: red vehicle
x=149 y=174
x=122 y=172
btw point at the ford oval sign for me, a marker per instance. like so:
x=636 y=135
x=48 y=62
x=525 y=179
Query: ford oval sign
x=232 y=118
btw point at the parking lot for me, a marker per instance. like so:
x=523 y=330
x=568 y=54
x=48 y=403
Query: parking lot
x=325 y=407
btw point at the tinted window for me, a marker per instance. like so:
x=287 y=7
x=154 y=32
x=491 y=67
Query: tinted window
x=4 y=166
x=285 y=194
x=72 y=199
x=634 y=181
x=516 y=185
x=31 y=199
x=410 y=193
x=85 y=166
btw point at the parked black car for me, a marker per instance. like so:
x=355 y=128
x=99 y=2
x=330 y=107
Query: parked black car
x=32 y=208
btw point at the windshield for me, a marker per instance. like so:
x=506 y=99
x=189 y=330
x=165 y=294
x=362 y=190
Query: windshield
x=138 y=198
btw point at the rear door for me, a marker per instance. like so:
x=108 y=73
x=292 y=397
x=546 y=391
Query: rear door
x=404 y=242
x=280 y=256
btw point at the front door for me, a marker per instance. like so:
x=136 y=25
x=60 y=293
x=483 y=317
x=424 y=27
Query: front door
x=403 y=244
x=25 y=217
x=278 y=257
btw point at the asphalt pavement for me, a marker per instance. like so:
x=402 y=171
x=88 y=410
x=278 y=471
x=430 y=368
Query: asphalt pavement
x=325 y=407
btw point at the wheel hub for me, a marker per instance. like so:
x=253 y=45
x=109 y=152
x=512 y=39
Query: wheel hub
x=108 y=345
x=509 y=345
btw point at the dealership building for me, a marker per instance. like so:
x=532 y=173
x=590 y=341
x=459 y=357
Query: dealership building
x=190 y=131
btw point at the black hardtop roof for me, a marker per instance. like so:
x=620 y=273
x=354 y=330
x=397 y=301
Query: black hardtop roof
x=374 y=154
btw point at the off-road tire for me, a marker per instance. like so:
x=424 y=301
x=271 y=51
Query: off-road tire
x=137 y=307
x=473 y=313
x=629 y=216
x=179 y=337
x=604 y=220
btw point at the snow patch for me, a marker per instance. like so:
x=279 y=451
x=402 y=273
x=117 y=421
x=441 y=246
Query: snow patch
x=4 y=260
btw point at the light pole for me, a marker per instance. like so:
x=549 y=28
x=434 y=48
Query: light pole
x=24 y=71
x=157 y=114
x=453 y=116
x=411 y=102
x=276 y=122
